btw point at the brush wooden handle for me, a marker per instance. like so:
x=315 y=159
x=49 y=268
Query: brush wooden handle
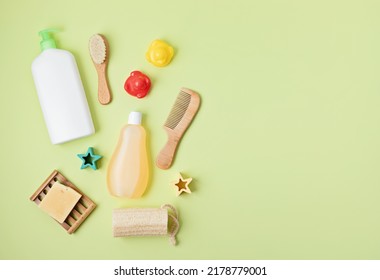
x=166 y=155
x=104 y=94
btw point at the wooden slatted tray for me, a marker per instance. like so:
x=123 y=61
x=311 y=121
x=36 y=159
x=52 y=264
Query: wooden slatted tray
x=81 y=210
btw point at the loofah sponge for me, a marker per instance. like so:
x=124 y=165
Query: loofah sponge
x=145 y=222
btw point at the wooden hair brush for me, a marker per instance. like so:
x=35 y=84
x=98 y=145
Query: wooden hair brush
x=99 y=51
x=180 y=117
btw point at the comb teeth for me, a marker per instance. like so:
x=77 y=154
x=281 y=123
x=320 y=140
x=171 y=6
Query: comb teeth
x=178 y=111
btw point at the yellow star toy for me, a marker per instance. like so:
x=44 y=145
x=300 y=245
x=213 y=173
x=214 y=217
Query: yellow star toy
x=181 y=184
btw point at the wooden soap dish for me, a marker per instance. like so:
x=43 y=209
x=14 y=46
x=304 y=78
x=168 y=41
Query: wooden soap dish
x=81 y=210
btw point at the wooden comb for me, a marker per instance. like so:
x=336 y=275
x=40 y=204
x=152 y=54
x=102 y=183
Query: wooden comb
x=179 y=119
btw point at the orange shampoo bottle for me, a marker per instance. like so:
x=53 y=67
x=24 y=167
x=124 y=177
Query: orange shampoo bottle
x=128 y=170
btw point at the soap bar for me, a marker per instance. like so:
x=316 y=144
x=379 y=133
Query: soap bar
x=60 y=201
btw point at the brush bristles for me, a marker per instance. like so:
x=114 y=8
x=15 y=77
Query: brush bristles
x=179 y=109
x=98 y=50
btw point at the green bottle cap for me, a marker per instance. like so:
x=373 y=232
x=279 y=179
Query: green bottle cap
x=47 y=39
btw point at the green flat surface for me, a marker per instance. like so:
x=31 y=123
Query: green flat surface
x=284 y=151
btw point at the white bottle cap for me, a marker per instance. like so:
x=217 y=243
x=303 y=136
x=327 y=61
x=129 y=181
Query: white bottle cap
x=134 y=118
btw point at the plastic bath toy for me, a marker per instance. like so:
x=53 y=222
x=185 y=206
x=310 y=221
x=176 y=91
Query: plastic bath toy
x=182 y=185
x=138 y=84
x=159 y=53
x=89 y=159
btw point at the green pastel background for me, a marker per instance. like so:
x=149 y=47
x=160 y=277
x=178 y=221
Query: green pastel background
x=284 y=151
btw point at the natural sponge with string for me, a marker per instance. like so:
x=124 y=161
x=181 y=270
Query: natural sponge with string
x=145 y=222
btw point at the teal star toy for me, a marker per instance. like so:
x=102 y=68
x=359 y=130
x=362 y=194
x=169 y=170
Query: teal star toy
x=89 y=159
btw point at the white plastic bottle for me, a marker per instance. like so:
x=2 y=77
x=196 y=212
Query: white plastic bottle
x=128 y=170
x=60 y=92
